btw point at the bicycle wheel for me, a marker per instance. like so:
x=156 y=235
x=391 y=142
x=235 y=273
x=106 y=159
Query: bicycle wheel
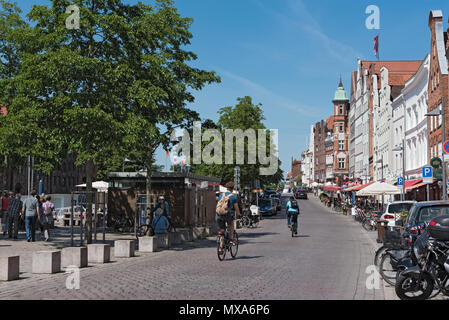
x=246 y=222
x=234 y=246
x=379 y=254
x=367 y=225
x=221 y=249
x=386 y=270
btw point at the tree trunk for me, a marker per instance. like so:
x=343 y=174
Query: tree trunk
x=89 y=199
x=5 y=174
x=149 y=168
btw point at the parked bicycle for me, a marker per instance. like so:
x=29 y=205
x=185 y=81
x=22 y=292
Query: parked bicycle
x=250 y=218
x=121 y=224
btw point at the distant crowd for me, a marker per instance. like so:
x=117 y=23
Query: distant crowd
x=33 y=212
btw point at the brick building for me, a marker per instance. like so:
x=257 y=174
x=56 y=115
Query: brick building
x=320 y=135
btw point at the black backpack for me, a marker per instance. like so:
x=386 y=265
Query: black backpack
x=293 y=204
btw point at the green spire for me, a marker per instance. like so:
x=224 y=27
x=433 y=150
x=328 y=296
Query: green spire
x=340 y=93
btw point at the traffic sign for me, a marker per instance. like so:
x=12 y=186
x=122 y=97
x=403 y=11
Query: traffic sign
x=400 y=182
x=427 y=172
x=446 y=146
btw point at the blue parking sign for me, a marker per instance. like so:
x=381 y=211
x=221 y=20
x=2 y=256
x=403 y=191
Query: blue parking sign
x=427 y=172
x=400 y=181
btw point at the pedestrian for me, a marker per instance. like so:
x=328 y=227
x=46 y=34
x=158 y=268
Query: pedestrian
x=31 y=213
x=160 y=222
x=14 y=209
x=47 y=216
x=39 y=224
x=5 y=204
x=162 y=204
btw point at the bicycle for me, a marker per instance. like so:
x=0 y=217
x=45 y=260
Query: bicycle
x=294 y=226
x=225 y=244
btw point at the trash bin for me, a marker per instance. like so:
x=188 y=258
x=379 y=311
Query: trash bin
x=381 y=230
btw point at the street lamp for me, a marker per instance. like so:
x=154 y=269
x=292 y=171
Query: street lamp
x=436 y=113
x=382 y=164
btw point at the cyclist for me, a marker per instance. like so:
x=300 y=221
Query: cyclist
x=292 y=213
x=233 y=208
x=163 y=205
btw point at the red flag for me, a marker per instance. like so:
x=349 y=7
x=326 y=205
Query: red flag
x=376 y=46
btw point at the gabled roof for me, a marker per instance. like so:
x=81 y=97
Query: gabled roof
x=398 y=71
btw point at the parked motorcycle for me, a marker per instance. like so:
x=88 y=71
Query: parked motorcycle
x=250 y=217
x=431 y=272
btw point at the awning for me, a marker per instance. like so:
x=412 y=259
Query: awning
x=416 y=186
x=379 y=188
x=410 y=183
x=332 y=188
x=357 y=188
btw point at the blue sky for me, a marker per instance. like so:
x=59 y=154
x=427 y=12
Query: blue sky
x=289 y=54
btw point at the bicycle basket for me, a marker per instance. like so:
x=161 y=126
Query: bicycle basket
x=394 y=240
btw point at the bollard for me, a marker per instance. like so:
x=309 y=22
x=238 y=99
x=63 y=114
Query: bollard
x=46 y=262
x=147 y=244
x=124 y=248
x=74 y=256
x=98 y=253
x=9 y=268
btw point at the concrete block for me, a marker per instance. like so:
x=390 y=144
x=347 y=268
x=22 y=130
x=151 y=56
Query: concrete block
x=9 y=268
x=74 y=256
x=124 y=248
x=46 y=261
x=163 y=241
x=175 y=238
x=147 y=244
x=98 y=253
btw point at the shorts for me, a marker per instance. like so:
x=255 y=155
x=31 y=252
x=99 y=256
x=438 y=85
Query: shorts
x=222 y=220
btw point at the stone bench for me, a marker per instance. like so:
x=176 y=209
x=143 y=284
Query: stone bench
x=46 y=262
x=74 y=256
x=9 y=268
x=147 y=244
x=124 y=248
x=98 y=253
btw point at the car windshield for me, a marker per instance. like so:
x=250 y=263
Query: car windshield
x=399 y=207
x=426 y=214
x=264 y=203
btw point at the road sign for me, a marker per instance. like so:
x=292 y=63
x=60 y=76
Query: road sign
x=436 y=162
x=438 y=174
x=427 y=172
x=400 y=182
x=446 y=157
x=446 y=146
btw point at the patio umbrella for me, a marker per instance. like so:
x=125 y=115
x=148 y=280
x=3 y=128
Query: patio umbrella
x=100 y=185
x=379 y=188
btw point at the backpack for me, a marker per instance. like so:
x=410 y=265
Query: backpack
x=294 y=204
x=222 y=205
x=47 y=209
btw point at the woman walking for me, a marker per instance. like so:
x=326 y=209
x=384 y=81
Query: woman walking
x=47 y=216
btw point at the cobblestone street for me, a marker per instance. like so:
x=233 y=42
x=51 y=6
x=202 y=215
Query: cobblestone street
x=327 y=261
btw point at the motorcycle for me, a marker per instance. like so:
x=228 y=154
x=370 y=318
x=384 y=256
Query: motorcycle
x=431 y=272
x=250 y=217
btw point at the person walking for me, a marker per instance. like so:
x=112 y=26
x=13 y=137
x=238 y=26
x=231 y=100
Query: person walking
x=14 y=209
x=163 y=205
x=5 y=205
x=31 y=213
x=160 y=222
x=47 y=216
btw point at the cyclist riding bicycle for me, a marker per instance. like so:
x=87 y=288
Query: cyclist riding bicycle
x=232 y=208
x=292 y=213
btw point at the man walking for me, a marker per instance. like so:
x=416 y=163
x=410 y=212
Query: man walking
x=31 y=212
x=15 y=207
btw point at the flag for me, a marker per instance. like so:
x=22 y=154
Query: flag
x=376 y=46
x=167 y=154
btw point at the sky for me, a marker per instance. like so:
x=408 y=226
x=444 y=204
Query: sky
x=289 y=54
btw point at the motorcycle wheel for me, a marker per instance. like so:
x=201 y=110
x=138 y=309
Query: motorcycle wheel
x=406 y=284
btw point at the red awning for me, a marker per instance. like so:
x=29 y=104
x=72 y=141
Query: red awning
x=411 y=183
x=416 y=186
x=332 y=188
x=358 y=188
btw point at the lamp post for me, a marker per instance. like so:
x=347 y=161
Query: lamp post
x=436 y=113
x=382 y=164
x=398 y=148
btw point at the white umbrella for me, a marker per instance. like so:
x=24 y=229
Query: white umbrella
x=100 y=185
x=378 y=188
x=315 y=184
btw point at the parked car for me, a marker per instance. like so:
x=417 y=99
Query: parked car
x=393 y=211
x=301 y=194
x=266 y=207
x=422 y=213
x=276 y=200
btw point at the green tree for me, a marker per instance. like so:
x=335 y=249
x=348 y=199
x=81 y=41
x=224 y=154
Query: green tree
x=244 y=115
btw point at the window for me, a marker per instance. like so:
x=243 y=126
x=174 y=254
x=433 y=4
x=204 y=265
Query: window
x=341 y=163
x=341 y=145
x=341 y=109
x=341 y=127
